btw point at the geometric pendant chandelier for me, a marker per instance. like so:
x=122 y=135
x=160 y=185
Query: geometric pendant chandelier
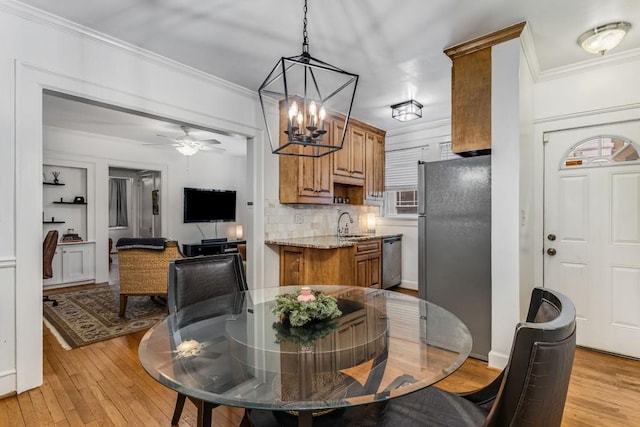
x=307 y=91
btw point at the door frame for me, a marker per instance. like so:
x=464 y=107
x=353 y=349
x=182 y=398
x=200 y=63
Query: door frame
x=27 y=128
x=544 y=127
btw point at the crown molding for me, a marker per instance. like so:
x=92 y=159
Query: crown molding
x=529 y=50
x=57 y=23
x=595 y=63
x=485 y=41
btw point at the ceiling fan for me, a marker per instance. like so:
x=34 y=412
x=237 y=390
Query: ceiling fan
x=187 y=145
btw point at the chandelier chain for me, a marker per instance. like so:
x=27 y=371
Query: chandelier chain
x=305 y=35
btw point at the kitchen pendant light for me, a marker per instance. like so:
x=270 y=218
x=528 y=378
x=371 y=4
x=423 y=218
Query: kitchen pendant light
x=307 y=91
x=602 y=39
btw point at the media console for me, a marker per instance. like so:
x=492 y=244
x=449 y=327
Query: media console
x=211 y=247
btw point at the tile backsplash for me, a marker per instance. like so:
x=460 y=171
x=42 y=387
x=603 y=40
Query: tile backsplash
x=292 y=221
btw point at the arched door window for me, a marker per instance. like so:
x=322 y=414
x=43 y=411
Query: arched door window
x=600 y=151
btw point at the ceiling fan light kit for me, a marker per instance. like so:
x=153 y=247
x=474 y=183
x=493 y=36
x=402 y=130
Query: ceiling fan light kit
x=307 y=89
x=187 y=149
x=187 y=145
x=600 y=40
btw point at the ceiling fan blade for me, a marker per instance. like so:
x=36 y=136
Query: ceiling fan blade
x=210 y=141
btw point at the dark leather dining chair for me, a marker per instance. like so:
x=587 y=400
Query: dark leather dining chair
x=195 y=280
x=48 y=251
x=531 y=390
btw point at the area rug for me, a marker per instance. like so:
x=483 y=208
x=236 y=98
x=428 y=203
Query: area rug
x=88 y=316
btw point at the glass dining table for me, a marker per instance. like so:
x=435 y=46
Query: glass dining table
x=233 y=350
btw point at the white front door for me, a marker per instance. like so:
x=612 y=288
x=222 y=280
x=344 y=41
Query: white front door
x=592 y=231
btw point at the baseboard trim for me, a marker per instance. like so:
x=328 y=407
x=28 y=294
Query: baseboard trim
x=7 y=384
x=498 y=360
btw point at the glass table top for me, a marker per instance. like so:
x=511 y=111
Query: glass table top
x=233 y=350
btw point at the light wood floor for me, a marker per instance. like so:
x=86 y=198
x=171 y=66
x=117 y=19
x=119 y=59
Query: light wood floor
x=103 y=384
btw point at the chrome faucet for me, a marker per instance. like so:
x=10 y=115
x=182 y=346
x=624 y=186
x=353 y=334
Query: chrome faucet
x=345 y=230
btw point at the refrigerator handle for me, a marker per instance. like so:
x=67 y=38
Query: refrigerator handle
x=422 y=184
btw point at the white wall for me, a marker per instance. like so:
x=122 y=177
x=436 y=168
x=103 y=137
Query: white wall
x=42 y=52
x=205 y=169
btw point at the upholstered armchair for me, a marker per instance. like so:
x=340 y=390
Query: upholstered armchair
x=143 y=266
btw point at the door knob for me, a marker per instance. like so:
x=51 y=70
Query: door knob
x=551 y=237
x=551 y=251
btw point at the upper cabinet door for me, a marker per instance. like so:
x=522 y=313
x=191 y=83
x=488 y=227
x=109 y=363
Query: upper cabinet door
x=341 y=158
x=374 y=168
x=356 y=160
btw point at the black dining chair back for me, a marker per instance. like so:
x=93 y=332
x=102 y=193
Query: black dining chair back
x=531 y=390
x=536 y=379
x=194 y=281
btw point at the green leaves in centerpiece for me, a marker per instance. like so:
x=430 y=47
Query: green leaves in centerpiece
x=298 y=313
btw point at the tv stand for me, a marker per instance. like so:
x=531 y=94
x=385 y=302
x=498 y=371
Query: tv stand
x=212 y=247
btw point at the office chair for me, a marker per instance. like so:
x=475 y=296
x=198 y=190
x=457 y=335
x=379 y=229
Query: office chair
x=48 y=251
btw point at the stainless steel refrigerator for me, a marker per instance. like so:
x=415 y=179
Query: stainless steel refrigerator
x=454 y=242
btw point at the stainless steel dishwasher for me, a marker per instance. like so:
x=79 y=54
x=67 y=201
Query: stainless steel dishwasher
x=391 y=261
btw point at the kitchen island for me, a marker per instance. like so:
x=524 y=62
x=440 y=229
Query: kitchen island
x=354 y=260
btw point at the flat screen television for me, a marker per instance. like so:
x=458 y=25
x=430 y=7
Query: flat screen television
x=208 y=205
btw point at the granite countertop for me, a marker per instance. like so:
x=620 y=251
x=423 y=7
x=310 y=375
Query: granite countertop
x=327 y=242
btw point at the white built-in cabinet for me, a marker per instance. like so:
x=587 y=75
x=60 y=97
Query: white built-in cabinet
x=73 y=263
x=64 y=208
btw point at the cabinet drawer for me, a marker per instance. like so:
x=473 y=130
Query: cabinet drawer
x=374 y=245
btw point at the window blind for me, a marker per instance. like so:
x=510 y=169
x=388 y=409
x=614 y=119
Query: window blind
x=401 y=168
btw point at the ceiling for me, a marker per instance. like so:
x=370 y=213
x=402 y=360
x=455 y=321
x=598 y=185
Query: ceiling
x=396 y=47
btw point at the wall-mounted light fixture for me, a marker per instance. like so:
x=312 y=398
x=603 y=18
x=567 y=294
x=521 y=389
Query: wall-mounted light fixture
x=371 y=223
x=602 y=39
x=405 y=111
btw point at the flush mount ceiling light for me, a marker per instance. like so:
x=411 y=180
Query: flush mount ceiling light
x=601 y=39
x=307 y=91
x=405 y=111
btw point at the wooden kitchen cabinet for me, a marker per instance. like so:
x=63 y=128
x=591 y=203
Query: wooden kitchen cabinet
x=349 y=163
x=374 y=168
x=291 y=265
x=316 y=180
x=471 y=102
x=471 y=90
x=368 y=265
x=305 y=179
x=357 y=265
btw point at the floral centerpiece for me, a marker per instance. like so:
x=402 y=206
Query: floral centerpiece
x=305 y=316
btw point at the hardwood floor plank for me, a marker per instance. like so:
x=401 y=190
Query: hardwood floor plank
x=26 y=408
x=10 y=413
